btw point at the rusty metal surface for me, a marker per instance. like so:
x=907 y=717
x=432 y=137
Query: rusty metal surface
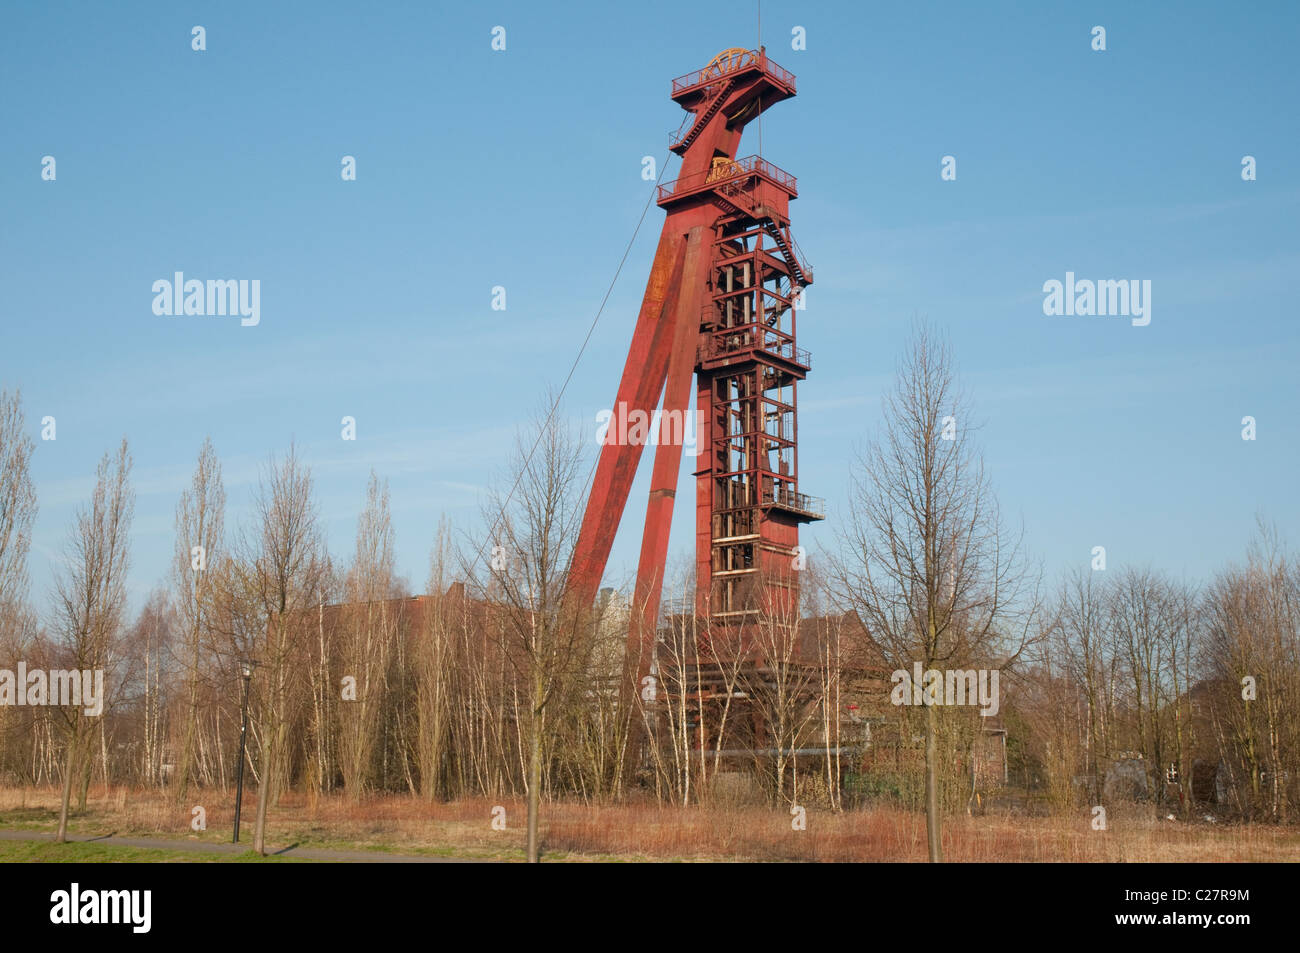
x=725 y=218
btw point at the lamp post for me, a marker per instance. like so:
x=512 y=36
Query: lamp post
x=246 y=669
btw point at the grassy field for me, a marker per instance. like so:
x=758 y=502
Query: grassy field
x=633 y=832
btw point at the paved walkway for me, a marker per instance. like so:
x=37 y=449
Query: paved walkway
x=205 y=847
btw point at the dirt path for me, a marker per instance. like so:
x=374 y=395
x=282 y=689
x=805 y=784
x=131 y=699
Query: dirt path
x=203 y=847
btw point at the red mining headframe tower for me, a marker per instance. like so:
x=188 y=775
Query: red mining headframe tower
x=720 y=306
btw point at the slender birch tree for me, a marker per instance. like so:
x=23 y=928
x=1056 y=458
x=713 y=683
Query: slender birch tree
x=200 y=519
x=90 y=601
x=370 y=631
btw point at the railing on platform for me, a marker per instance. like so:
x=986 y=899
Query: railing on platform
x=724 y=64
x=750 y=165
x=748 y=337
x=787 y=350
x=782 y=495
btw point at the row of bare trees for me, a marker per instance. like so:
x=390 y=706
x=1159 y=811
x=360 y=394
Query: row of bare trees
x=494 y=684
x=1181 y=683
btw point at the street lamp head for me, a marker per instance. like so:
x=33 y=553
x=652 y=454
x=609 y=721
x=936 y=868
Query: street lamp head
x=246 y=667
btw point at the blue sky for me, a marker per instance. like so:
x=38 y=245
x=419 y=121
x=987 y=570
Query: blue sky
x=522 y=168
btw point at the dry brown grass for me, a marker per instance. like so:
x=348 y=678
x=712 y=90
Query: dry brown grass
x=650 y=832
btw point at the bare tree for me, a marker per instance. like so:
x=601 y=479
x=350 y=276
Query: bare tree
x=1234 y=653
x=17 y=500
x=149 y=642
x=1180 y=646
x=926 y=561
x=433 y=654
x=1149 y=626
x=17 y=515
x=91 y=599
x=783 y=686
x=672 y=716
x=368 y=636
x=1252 y=646
x=286 y=570
x=1083 y=642
x=829 y=631
x=200 y=519
x=547 y=640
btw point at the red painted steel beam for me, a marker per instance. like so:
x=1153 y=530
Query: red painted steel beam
x=662 y=360
x=638 y=389
x=704 y=496
x=668 y=451
x=646 y=367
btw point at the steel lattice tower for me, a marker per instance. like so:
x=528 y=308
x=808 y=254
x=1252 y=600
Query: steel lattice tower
x=719 y=306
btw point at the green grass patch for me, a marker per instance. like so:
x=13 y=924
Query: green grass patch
x=30 y=819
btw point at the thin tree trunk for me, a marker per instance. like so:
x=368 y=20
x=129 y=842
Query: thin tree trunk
x=263 y=794
x=62 y=835
x=932 y=787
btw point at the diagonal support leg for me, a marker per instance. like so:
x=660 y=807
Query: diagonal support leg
x=638 y=389
x=668 y=452
x=663 y=480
